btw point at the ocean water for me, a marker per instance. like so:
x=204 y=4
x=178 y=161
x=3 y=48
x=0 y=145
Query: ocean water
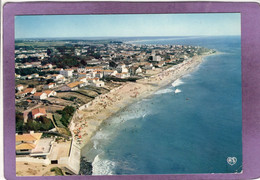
x=191 y=130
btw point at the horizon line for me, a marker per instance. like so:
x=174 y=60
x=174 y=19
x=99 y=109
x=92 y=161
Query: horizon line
x=121 y=36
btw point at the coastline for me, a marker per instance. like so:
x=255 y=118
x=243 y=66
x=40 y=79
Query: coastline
x=88 y=119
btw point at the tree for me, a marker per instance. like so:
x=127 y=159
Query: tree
x=31 y=86
x=112 y=64
x=19 y=121
x=49 y=52
x=66 y=113
x=50 y=81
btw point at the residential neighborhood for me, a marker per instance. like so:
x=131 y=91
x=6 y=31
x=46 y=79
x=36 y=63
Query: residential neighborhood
x=52 y=82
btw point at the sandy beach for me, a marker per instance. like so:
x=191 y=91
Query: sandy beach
x=87 y=121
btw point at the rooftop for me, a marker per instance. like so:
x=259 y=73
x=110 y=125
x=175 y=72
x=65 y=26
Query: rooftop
x=38 y=110
x=28 y=137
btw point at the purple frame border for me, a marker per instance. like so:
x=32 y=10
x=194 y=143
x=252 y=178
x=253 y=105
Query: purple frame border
x=250 y=48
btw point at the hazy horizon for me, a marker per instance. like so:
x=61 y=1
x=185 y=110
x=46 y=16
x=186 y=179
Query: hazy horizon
x=110 y=37
x=127 y=25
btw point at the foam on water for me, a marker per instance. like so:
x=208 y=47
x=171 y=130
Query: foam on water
x=177 y=91
x=102 y=166
x=177 y=83
x=164 y=91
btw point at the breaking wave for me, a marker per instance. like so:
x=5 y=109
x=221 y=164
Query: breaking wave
x=164 y=91
x=177 y=83
x=177 y=91
x=102 y=166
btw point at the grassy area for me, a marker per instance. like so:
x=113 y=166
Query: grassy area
x=88 y=93
x=58 y=171
x=41 y=43
x=29 y=81
x=84 y=98
x=57 y=117
x=61 y=128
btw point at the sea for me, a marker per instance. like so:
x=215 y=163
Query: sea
x=193 y=125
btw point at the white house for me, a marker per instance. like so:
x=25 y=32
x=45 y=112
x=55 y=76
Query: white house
x=98 y=83
x=83 y=79
x=121 y=68
x=138 y=70
x=161 y=64
x=49 y=86
x=91 y=69
x=148 y=66
x=157 y=58
x=19 y=87
x=40 y=95
x=29 y=77
x=66 y=72
x=93 y=80
x=38 y=112
x=99 y=74
x=29 y=90
x=35 y=75
x=122 y=75
x=57 y=77
x=49 y=66
x=109 y=72
x=82 y=75
x=50 y=93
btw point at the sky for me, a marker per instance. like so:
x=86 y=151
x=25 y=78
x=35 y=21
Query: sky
x=127 y=25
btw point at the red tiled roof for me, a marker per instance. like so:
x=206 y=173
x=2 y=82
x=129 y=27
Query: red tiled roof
x=28 y=90
x=38 y=110
x=38 y=93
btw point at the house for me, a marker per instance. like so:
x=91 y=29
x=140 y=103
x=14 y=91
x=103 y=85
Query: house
x=91 y=69
x=122 y=75
x=109 y=73
x=135 y=70
x=161 y=64
x=82 y=75
x=57 y=77
x=17 y=76
x=138 y=70
x=19 y=87
x=25 y=143
x=49 y=86
x=29 y=77
x=121 y=68
x=29 y=91
x=81 y=70
x=99 y=74
x=93 y=80
x=35 y=75
x=27 y=65
x=38 y=112
x=83 y=79
x=50 y=93
x=72 y=86
x=66 y=72
x=97 y=83
x=49 y=66
x=157 y=58
x=36 y=64
x=148 y=66
x=40 y=95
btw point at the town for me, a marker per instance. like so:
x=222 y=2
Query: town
x=54 y=78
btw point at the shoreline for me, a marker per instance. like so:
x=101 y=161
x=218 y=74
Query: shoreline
x=86 y=122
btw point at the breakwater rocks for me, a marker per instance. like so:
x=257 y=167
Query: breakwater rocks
x=85 y=167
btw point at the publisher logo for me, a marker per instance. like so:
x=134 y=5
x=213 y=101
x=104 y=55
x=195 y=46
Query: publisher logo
x=231 y=160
